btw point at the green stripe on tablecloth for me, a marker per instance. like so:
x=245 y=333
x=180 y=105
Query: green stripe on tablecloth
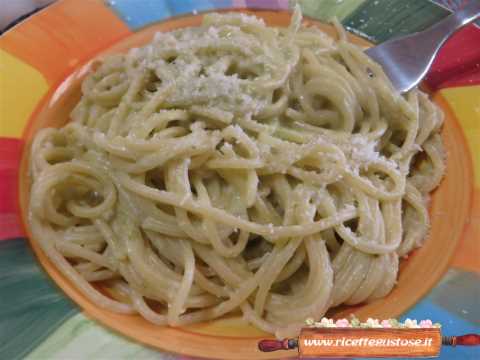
x=379 y=20
x=31 y=306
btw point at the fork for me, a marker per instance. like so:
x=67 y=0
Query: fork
x=406 y=60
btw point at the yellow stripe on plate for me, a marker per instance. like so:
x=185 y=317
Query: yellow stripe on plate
x=21 y=88
x=465 y=103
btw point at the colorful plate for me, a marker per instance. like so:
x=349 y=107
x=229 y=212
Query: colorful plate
x=41 y=70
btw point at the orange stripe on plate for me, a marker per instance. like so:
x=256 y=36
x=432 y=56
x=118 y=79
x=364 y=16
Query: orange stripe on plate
x=467 y=254
x=63 y=35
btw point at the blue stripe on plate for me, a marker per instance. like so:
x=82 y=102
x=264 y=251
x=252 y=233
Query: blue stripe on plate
x=139 y=14
x=454 y=304
x=451 y=325
x=188 y=6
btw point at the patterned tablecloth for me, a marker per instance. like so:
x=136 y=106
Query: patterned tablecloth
x=37 y=320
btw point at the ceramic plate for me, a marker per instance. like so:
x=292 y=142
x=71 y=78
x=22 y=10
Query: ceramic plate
x=43 y=61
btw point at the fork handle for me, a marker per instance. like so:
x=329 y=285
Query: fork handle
x=454 y=22
x=469 y=13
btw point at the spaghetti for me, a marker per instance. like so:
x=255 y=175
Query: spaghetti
x=236 y=167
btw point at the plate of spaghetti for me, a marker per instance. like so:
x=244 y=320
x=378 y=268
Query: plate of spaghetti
x=203 y=179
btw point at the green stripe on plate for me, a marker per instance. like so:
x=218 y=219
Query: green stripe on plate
x=82 y=338
x=31 y=306
x=325 y=10
x=379 y=20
